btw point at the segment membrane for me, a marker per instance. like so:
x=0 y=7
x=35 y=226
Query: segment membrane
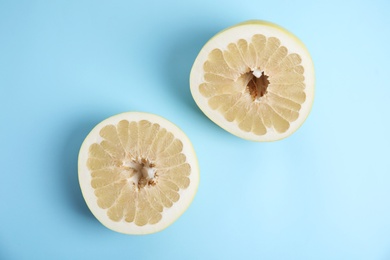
x=112 y=173
x=227 y=74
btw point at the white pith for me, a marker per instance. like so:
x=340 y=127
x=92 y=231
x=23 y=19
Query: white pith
x=141 y=171
x=169 y=215
x=257 y=73
x=246 y=31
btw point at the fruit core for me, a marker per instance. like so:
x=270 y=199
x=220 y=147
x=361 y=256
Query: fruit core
x=258 y=83
x=142 y=172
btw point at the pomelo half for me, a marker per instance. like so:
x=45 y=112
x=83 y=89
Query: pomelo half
x=138 y=172
x=255 y=80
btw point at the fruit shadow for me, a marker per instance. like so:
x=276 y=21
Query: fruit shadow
x=68 y=162
x=179 y=61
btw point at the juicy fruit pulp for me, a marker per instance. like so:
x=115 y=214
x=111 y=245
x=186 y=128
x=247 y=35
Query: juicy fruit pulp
x=138 y=172
x=255 y=80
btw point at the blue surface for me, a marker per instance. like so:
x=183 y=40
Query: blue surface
x=323 y=193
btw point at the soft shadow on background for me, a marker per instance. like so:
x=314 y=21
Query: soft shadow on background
x=181 y=56
x=68 y=161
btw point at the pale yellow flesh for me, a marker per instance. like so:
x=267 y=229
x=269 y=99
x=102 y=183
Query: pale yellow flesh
x=227 y=73
x=115 y=187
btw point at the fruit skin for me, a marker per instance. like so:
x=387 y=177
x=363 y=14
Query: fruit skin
x=267 y=23
x=85 y=146
x=261 y=23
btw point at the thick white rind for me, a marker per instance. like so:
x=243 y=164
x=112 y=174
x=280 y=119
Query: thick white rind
x=169 y=215
x=246 y=31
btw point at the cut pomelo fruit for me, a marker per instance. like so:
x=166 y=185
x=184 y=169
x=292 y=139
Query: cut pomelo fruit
x=255 y=80
x=138 y=172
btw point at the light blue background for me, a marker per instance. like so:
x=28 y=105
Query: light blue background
x=323 y=193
